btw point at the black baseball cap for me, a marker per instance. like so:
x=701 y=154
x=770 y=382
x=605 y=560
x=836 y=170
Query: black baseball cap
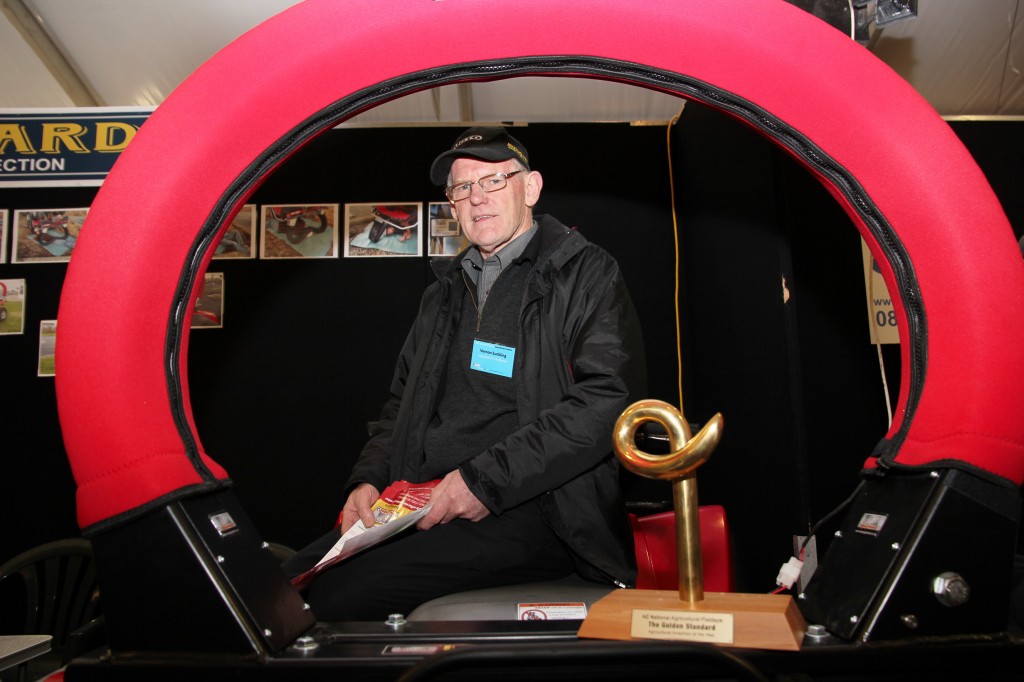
x=487 y=143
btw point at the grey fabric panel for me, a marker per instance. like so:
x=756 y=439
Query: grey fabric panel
x=501 y=603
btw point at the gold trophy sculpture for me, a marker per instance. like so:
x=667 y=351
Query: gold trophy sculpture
x=763 y=621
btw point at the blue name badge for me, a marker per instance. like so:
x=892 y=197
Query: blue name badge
x=492 y=358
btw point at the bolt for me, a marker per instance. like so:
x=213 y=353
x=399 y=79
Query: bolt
x=895 y=546
x=909 y=621
x=220 y=559
x=817 y=634
x=951 y=589
x=396 y=620
x=305 y=644
x=267 y=633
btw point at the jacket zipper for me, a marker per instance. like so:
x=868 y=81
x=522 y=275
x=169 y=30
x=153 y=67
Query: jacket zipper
x=472 y=298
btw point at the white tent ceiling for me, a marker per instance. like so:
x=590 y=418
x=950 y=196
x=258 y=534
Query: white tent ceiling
x=964 y=56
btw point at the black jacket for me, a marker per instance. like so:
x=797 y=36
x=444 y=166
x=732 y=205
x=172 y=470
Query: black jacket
x=580 y=363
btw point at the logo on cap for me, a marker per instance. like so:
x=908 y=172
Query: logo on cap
x=516 y=151
x=467 y=138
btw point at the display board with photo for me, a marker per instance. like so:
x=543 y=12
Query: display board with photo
x=239 y=240
x=3 y=235
x=209 y=310
x=12 y=306
x=299 y=231
x=46 y=235
x=47 y=344
x=383 y=229
x=446 y=236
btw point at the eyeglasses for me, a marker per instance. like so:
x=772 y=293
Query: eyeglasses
x=488 y=183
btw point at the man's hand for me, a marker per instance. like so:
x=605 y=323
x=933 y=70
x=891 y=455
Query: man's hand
x=357 y=506
x=451 y=499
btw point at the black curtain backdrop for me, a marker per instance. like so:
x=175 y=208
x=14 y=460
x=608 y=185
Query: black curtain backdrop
x=772 y=299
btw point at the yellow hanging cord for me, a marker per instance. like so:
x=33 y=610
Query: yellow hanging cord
x=675 y=237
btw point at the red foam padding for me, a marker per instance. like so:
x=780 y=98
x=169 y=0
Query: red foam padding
x=657 y=558
x=116 y=409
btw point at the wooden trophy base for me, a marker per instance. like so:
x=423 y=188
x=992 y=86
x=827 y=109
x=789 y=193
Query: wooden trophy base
x=752 y=621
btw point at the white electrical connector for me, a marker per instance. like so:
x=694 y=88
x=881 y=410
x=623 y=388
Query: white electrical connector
x=789 y=573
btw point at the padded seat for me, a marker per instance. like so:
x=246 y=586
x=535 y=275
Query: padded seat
x=502 y=603
x=654 y=537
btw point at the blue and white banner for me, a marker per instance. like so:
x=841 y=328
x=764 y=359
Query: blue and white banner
x=64 y=147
